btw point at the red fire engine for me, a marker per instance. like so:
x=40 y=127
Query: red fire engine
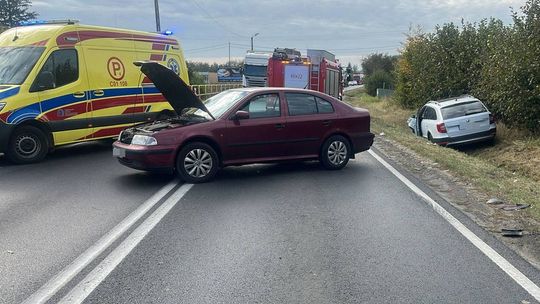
x=319 y=71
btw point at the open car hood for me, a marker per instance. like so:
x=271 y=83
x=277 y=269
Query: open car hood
x=175 y=90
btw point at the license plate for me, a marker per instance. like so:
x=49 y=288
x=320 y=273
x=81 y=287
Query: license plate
x=119 y=152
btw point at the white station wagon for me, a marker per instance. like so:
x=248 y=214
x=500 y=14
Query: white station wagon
x=453 y=121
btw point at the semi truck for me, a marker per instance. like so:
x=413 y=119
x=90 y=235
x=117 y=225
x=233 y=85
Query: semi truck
x=255 y=69
x=318 y=71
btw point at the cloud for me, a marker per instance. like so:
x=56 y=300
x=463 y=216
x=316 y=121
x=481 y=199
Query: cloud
x=349 y=28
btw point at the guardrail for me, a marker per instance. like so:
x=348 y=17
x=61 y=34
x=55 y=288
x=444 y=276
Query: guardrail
x=205 y=91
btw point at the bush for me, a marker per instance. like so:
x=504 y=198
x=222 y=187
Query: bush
x=494 y=62
x=379 y=79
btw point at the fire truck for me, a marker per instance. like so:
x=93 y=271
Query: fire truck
x=318 y=71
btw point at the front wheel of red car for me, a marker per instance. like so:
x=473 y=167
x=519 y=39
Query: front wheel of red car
x=197 y=163
x=335 y=152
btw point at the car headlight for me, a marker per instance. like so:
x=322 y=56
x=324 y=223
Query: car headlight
x=143 y=140
x=2 y=105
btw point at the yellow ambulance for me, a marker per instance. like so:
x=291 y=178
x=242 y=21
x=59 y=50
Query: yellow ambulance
x=62 y=82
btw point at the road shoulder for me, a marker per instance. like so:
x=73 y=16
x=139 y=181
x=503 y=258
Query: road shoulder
x=468 y=199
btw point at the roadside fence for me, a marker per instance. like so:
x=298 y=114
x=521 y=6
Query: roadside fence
x=205 y=91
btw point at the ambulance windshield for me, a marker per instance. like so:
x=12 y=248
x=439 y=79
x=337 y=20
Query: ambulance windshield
x=17 y=62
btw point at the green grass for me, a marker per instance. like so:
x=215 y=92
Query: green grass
x=509 y=170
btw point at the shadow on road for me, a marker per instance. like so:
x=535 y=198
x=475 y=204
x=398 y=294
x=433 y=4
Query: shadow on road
x=142 y=179
x=71 y=151
x=266 y=170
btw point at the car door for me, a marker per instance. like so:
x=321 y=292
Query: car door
x=114 y=88
x=262 y=135
x=61 y=86
x=429 y=118
x=308 y=119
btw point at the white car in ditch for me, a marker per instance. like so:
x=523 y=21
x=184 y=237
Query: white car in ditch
x=454 y=121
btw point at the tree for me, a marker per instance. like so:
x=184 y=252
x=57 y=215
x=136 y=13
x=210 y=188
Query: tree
x=378 y=80
x=379 y=71
x=495 y=62
x=375 y=62
x=349 y=71
x=12 y=12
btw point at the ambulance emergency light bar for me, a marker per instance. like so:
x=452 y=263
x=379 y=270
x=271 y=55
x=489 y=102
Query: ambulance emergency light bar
x=40 y=22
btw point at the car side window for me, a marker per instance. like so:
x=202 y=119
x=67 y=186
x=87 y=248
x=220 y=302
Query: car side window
x=301 y=104
x=63 y=66
x=429 y=113
x=324 y=106
x=267 y=105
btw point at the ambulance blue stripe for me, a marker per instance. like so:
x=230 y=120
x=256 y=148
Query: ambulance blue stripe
x=33 y=110
x=60 y=101
x=28 y=112
x=9 y=93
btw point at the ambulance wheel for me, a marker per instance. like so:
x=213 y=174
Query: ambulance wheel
x=28 y=144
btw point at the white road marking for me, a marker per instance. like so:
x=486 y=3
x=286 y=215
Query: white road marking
x=510 y=270
x=63 y=277
x=98 y=274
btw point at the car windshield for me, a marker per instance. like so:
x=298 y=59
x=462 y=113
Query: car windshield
x=255 y=70
x=17 y=62
x=219 y=104
x=463 y=109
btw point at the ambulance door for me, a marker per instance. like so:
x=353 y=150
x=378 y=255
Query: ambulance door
x=114 y=90
x=62 y=85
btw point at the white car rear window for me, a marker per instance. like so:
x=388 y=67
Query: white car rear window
x=463 y=109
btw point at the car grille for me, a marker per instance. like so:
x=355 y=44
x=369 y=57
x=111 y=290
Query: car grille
x=256 y=83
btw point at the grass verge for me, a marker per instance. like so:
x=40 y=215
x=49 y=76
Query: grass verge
x=509 y=170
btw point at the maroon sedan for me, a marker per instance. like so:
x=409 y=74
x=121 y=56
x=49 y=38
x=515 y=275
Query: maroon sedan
x=242 y=126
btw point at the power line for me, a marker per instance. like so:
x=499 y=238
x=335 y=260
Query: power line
x=206 y=47
x=221 y=25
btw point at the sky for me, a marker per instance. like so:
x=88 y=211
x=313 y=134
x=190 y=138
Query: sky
x=349 y=29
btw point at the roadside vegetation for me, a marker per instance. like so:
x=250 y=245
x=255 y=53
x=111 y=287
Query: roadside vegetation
x=494 y=61
x=379 y=72
x=12 y=12
x=506 y=170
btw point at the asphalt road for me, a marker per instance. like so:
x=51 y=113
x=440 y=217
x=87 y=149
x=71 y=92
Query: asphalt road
x=52 y=211
x=299 y=234
x=290 y=233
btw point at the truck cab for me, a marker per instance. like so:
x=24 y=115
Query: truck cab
x=255 y=69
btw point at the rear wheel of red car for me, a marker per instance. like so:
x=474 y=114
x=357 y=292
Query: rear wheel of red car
x=197 y=163
x=28 y=144
x=335 y=152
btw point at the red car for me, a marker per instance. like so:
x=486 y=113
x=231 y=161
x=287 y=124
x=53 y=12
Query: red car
x=242 y=126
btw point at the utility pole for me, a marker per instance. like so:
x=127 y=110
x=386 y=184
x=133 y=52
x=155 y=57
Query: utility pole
x=229 y=54
x=252 y=40
x=156 y=7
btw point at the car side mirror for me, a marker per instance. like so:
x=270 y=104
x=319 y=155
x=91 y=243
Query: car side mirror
x=241 y=115
x=44 y=81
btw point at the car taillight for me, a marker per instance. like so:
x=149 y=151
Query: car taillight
x=441 y=128
x=491 y=119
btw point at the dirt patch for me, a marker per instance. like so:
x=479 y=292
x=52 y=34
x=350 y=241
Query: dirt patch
x=470 y=200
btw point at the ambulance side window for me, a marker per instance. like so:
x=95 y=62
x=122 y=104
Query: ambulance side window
x=62 y=66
